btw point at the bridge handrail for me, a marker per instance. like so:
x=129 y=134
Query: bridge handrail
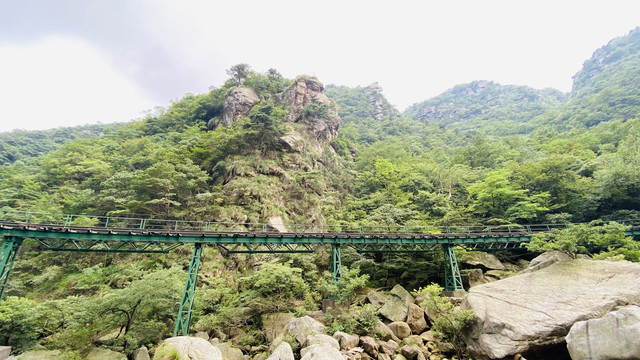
x=141 y=223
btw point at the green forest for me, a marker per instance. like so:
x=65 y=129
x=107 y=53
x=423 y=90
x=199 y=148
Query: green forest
x=480 y=153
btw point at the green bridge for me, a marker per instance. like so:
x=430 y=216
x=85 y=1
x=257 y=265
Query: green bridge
x=86 y=233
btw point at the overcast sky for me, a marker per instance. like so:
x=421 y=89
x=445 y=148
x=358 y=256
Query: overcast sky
x=71 y=62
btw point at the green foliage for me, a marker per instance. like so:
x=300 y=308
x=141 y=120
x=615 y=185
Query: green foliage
x=167 y=352
x=449 y=323
x=361 y=320
x=598 y=239
x=349 y=286
x=21 y=322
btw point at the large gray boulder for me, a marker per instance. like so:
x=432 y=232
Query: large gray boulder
x=230 y=353
x=482 y=260
x=282 y=352
x=238 y=103
x=141 y=354
x=396 y=307
x=376 y=298
x=321 y=352
x=302 y=327
x=415 y=319
x=42 y=355
x=614 y=336
x=546 y=259
x=532 y=311
x=275 y=325
x=346 y=341
x=191 y=348
x=322 y=339
x=400 y=329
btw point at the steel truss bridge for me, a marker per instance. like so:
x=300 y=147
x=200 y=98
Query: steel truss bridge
x=86 y=233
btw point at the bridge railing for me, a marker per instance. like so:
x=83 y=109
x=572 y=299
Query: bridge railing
x=138 y=223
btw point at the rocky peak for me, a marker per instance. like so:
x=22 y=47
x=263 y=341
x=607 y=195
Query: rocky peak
x=308 y=104
x=238 y=103
x=375 y=99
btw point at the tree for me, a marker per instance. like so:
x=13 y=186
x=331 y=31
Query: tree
x=239 y=72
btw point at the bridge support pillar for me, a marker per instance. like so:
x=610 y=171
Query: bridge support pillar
x=8 y=251
x=186 y=304
x=336 y=262
x=452 y=279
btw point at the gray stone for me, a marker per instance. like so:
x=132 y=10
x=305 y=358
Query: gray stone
x=410 y=352
x=5 y=351
x=383 y=356
x=141 y=354
x=229 y=353
x=376 y=298
x=238 y=103
x=396 y=307
x=346 y=341
x=192 y=348
x=276 y=223
x=482 y=260
x=400 y=329
x=104 y=354
x=546 y=259
x=275 y=325
x=476 y=277
x=388 y=347
x=385 y=332
x=306 y=90
x=41 y=355
x=202 y=335
x=369 y=345
x=531 y=311
x=428 y=336
x=321 y=352
x=415 y=319
x=398 y=357
x=282 y=352
x=322 y=339
x=614 y=336
x=300 y=328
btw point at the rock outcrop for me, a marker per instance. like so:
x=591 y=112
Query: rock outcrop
x=375 y=99
x=546 y=259
x=282 y=352
x=308 y=104
x=396 y=307
x=614 y=336
x=192 y=348
x=532 y=311
x=302 y=327
x=275 y=325
x=482 y=260
x=238 y=103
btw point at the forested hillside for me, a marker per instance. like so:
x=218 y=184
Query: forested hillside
x=265 y=148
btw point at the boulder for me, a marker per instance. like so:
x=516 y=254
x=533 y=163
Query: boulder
x=238 y=103
x=388 y=347
x=546 y=259
x=282 y=352
x=276 y=223
x=400 y=329
x=321 y=352
x=396 y=307
x=42 y=355
x=141 y=354
x=415 y=319
x=398 y=357
x=383 y=356
x=376 y=298
x=369 y=345
x=322 y=339
x=428 y=336
x=482 y=260
x=614 y=336
x=410 y=352
x=275 y=325
x=476 y=277
x=385 y=333
x=191 y=348
x=300 y=328
x=202 y=335
x=104 y=354
x=533 y=311
x=346 y=341
x=229 y=353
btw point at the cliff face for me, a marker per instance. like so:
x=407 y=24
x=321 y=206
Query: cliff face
x=309 y=105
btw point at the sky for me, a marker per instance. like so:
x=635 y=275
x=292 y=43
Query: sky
x=74 y=62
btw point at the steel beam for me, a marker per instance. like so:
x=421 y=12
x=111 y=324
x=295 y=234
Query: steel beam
x=336 y=262
x=8 y=251
x=186 y=304
x=452 y=279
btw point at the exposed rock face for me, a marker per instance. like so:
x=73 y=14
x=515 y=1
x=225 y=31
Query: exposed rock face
x=238 y=103
x=346 y=341
x=282 y=352
x=396 y=307
x=529 y=312
x=376 y=298
x=321 y=352
x=322 y=339
x=193 y=348
x=300 y=328
x=483 y=260
x=614 y=336
x=42 y=355
x=415 y=319
x=375 y=99
x=275 y=325
x=307 y=92
x=385 y=332
x=546 y=259
x=229 y=353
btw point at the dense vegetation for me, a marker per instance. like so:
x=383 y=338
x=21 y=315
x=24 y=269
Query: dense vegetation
x=479 y=153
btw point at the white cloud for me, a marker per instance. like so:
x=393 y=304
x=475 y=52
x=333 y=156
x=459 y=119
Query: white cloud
x=63 y=81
